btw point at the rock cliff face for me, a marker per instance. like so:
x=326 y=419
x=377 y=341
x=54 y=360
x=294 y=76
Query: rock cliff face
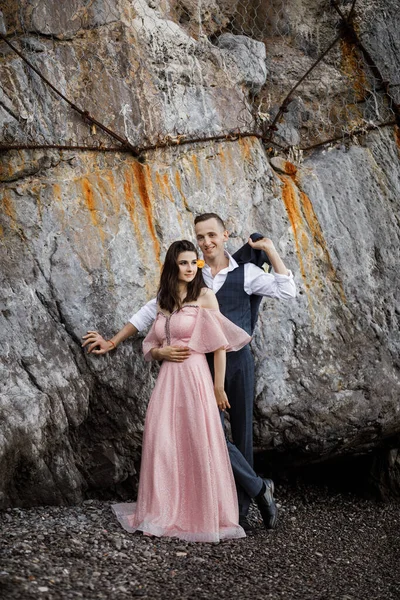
x=83 y=233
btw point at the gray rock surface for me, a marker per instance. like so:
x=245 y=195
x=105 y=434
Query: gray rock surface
x=83 y=235
x=248 y=56
x=132 y=67
x=347 y=248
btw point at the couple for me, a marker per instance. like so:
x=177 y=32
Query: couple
x=186 y=487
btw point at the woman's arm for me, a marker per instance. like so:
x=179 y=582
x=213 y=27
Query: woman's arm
x=171 y=353
x=209 y=300
x=219 y=379
x=98 y=345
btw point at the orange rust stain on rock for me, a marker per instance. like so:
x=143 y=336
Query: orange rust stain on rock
x=312 y=221
x=290 y=169
x=397 y=135
x=178 y=185
x=222 y=157
x=39 y=206
x=295 y=218
x=164 y=186
x=165 y=180
x=9 y=209
x=160 y=182
x=89 y=200
x=88 y=196
x=130 y=204
x=246 y=147
x=145 y=190
x=130 y=199
x=306 y=227
x=106 y=184
x=318 y=238
x=228 y=166
x=57 y=192
x=352 y=66
x=196 y=167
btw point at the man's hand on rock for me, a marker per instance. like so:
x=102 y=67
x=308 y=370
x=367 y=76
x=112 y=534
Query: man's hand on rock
x=97 y=344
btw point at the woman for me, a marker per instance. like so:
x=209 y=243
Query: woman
x=186 y=486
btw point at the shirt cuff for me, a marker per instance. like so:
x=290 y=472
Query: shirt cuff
x=281 y=276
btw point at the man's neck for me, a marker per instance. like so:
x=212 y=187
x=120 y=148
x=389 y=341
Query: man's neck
x=217 y=264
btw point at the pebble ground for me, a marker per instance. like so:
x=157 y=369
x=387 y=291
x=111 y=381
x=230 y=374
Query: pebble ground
x=328 y=546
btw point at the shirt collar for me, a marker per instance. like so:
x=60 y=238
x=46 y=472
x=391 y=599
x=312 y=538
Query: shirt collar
x=232 y=265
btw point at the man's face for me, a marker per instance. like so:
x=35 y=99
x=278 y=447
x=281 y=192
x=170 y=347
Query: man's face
x=210 y=237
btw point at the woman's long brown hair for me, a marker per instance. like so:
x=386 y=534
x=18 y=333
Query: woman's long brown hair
x=167 y=295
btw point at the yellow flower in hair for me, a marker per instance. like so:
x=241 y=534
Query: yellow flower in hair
x=200 y=263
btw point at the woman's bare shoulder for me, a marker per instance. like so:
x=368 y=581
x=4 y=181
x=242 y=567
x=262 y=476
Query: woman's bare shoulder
x=207 y=299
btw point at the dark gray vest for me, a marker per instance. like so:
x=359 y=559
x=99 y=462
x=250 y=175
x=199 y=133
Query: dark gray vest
x=233 y=301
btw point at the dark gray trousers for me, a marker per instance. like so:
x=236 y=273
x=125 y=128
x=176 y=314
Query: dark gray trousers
x=239 y=387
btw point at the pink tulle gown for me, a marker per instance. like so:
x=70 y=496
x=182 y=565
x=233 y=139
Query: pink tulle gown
x=186 y=487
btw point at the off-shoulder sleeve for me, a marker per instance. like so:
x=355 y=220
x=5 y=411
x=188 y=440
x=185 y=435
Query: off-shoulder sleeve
x=213 y=331
x=151 y=341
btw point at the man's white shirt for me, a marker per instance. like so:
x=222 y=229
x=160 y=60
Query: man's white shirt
x=256 y=281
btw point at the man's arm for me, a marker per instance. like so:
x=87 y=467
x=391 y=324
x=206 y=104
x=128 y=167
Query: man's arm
x=139 y=321
x=144 y=317
x=279 y=284
x=98 y=345
x=268 y=246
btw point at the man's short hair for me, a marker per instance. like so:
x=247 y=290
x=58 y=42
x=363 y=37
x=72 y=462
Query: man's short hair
x=207 y=216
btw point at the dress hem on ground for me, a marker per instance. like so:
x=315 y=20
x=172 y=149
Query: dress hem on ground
x=124 y=513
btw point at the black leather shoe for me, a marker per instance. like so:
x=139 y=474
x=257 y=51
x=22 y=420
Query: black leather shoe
x=243 y=522
x=266 y=504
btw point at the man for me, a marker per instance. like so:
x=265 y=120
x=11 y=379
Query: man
x=234 y=286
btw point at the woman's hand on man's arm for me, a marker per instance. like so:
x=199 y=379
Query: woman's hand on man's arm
x=171 y=353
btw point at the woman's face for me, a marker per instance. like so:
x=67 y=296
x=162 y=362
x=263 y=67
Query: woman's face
x=187 y=264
